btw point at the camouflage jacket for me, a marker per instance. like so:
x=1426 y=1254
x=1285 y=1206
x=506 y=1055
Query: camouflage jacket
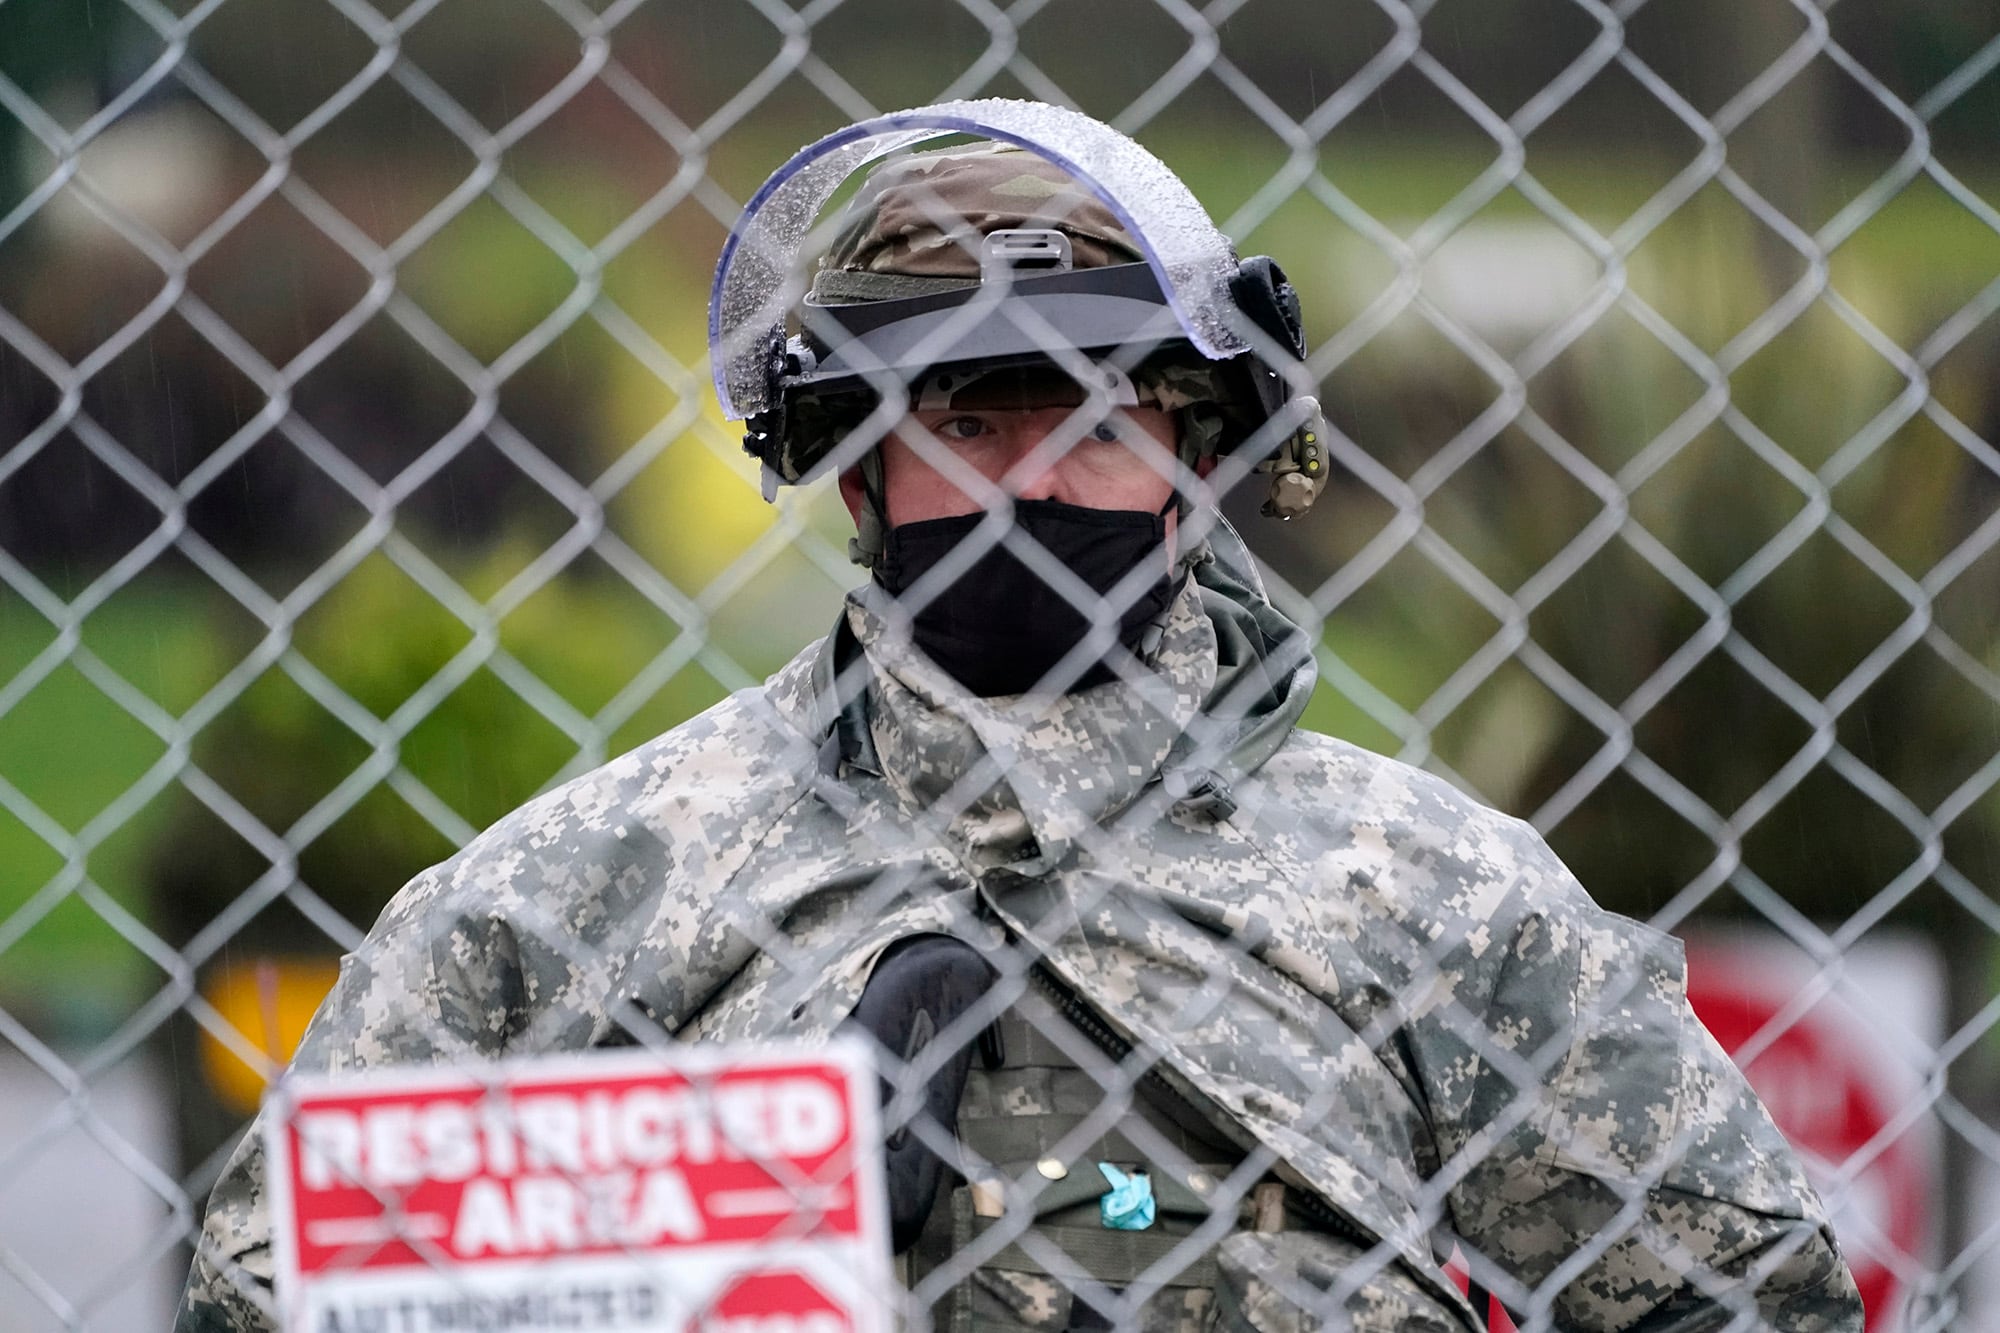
x=1402 y=994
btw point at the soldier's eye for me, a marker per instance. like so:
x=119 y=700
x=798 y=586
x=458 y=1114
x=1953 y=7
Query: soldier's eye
x=962 y=428
x=1104 y=432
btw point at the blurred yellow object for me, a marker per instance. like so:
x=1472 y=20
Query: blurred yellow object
x=268 y=1000
x=696 y=507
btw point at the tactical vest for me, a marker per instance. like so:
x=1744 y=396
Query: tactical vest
x=1034 y=1117
x=1090 y=1189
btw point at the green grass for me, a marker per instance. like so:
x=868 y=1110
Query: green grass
x=70 y=752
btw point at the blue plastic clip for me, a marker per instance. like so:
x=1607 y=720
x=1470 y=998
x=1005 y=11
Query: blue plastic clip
x=1128 y=1206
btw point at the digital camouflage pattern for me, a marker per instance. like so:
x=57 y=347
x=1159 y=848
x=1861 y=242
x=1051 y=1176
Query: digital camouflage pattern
x=1299 y=1281
x=1402 y=996
x=926 y=215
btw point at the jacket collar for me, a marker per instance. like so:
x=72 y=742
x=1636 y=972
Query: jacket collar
x=1012 y=781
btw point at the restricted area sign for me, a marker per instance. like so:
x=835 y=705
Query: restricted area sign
x=729 y=1191
x=1839 y=1068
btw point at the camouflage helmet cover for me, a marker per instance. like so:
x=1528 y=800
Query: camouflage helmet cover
x=923 y=215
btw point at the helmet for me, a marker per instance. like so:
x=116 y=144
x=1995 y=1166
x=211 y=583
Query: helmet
x=1005 y=274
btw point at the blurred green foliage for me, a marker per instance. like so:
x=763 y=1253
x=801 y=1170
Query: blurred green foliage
x=1707 y=513
x=74 y=753
x=444 y=743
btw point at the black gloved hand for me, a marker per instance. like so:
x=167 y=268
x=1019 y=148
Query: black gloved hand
x=920 y=986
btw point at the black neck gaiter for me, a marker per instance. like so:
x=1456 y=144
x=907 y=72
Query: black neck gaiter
x=998 y=628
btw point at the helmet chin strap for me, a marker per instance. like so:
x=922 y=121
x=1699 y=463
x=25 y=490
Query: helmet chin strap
x=871 y=519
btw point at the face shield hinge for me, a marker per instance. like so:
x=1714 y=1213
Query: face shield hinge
x=764 y=440
x=799 y=359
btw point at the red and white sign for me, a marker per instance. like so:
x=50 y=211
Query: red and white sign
x=1838 y=1060
x=776 y=1302
x=604 y=1192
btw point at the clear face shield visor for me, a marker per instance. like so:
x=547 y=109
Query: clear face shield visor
x=1190 y=291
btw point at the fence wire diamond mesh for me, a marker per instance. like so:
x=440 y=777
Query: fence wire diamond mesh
x=360 y=477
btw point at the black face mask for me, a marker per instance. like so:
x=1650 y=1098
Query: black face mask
x=999 y=628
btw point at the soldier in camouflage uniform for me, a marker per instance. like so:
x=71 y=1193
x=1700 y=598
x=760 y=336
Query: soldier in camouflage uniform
x=1337 y=1011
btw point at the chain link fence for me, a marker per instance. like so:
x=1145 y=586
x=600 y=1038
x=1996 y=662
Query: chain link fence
x=360 y=477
